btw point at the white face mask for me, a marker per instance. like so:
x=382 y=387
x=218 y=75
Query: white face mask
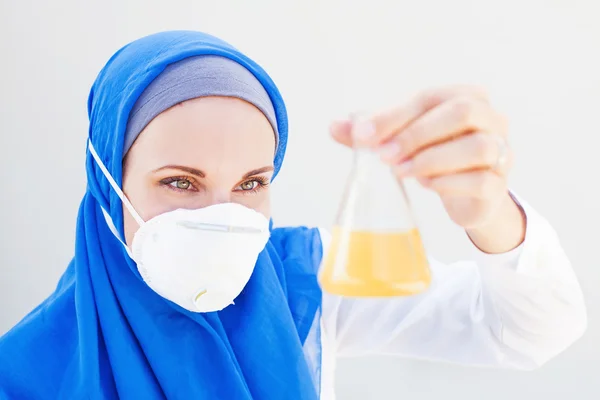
x=199 y=259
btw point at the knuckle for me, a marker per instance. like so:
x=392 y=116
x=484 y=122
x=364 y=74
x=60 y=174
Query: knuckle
x=384 y=121
x=409 y=139
x=463 y=109
x=485 y=147
x=430 y=98
x=421 y=164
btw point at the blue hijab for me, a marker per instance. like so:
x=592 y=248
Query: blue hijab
x=104 y=334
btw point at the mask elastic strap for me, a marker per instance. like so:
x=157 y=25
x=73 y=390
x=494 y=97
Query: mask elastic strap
x=114 y=231
x=114 y=185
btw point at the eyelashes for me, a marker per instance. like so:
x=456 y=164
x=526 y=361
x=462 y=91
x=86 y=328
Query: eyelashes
x=188 y=184
x=180 y=184
x=256 y=184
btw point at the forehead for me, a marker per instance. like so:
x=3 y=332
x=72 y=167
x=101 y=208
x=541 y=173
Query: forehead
x=207 y=131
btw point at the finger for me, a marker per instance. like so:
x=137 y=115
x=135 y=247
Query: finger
x=341 y=132
x=478 y=150
x=450 y=119
x=476 y=184
x=389 y=122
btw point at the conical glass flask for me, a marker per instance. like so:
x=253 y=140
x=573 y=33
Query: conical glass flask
x=376 y=248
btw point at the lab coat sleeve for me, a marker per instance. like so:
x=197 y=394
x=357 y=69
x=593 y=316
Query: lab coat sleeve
x=513 y=310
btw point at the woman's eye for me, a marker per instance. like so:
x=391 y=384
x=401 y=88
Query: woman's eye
x=182 y=184
x=249 y=185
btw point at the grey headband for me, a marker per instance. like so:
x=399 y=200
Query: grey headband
x=194 y=77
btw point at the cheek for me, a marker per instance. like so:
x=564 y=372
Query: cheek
x=142 y=203
x=145 y=201
x=148 y=205
x=265 y=207
x=134 y=193
x=260 y=202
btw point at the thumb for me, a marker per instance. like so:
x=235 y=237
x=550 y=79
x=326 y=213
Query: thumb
x=341 y=132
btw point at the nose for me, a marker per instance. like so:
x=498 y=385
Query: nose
x=219 y=197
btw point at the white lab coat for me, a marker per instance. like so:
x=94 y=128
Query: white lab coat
x=513 y=310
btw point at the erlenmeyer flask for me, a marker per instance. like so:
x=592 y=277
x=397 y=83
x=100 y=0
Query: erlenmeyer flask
x=376 y=248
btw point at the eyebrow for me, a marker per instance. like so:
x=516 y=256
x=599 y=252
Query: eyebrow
x=201 y=174
x=189 y=170
x=258 y=171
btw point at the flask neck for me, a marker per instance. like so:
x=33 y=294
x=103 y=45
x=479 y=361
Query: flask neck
x=374 y=198
x=367 y=163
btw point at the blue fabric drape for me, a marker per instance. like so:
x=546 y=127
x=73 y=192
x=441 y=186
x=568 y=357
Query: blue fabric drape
x=104 y=333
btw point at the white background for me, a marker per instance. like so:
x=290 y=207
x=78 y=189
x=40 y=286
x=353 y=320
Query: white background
x=539 y=59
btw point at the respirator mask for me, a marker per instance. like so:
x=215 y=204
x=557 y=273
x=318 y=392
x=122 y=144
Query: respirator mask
x=199 y=259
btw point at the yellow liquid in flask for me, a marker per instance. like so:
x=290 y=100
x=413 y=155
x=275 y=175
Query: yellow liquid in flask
x=375 y=264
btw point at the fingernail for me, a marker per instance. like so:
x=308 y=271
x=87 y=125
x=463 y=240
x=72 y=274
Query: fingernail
x=404 y=169
x=389 y=151
x=363 y=129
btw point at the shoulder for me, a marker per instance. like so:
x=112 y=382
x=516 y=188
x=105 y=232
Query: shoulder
x=39 y=349
x=300 y=242
x=301 y=237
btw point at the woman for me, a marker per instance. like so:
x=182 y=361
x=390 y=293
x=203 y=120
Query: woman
x=157 y=305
